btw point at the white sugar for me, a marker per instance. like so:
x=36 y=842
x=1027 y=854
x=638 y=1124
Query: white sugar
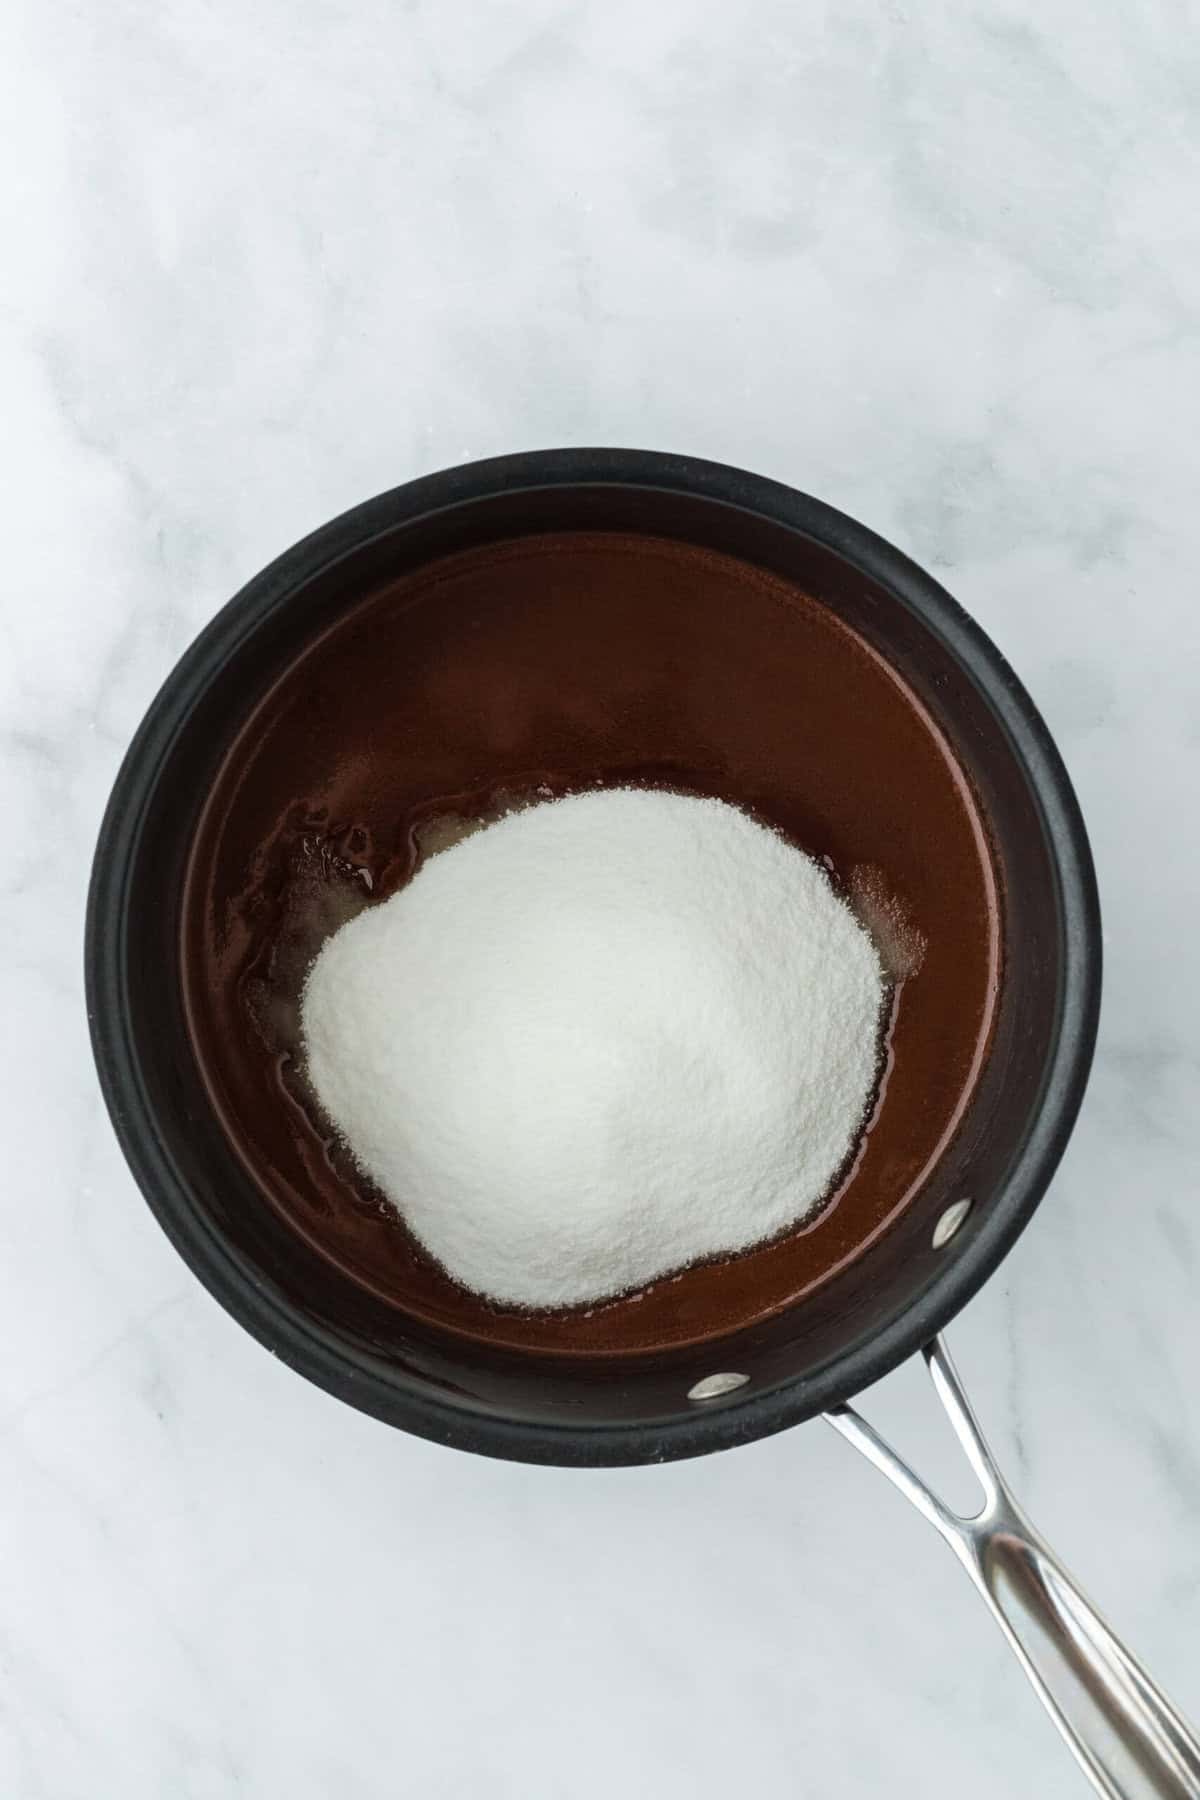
x=603 y=1038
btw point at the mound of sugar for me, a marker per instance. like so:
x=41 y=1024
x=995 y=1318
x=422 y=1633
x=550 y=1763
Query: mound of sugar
x=603 y=1038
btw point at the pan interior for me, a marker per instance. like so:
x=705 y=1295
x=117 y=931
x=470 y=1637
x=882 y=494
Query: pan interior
x=543 y=662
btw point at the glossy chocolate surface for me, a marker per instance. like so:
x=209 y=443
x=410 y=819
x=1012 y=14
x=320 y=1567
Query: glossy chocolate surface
x=543 y=664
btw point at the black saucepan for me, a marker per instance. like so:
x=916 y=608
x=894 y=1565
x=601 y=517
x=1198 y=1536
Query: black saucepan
x=887 y=1303
x=890 y=1301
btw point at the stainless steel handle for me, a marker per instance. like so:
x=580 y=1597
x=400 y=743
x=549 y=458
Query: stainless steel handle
x=1123 y=1731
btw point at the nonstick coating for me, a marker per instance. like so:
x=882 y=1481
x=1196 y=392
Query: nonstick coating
x=882 y=1307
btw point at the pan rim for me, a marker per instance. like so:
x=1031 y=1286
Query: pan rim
x=376 y=1386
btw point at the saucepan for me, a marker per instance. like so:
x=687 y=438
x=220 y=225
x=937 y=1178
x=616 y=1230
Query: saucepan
x=702 y=1389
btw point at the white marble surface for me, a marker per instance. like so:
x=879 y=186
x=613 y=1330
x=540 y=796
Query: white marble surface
x=937 y=263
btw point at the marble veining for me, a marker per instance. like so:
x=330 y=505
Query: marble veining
x=938 y=264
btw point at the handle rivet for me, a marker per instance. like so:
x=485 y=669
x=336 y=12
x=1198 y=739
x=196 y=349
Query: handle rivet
x=713 y=1386
x=949 y=1222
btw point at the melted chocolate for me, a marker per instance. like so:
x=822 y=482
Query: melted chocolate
x=534 y=667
